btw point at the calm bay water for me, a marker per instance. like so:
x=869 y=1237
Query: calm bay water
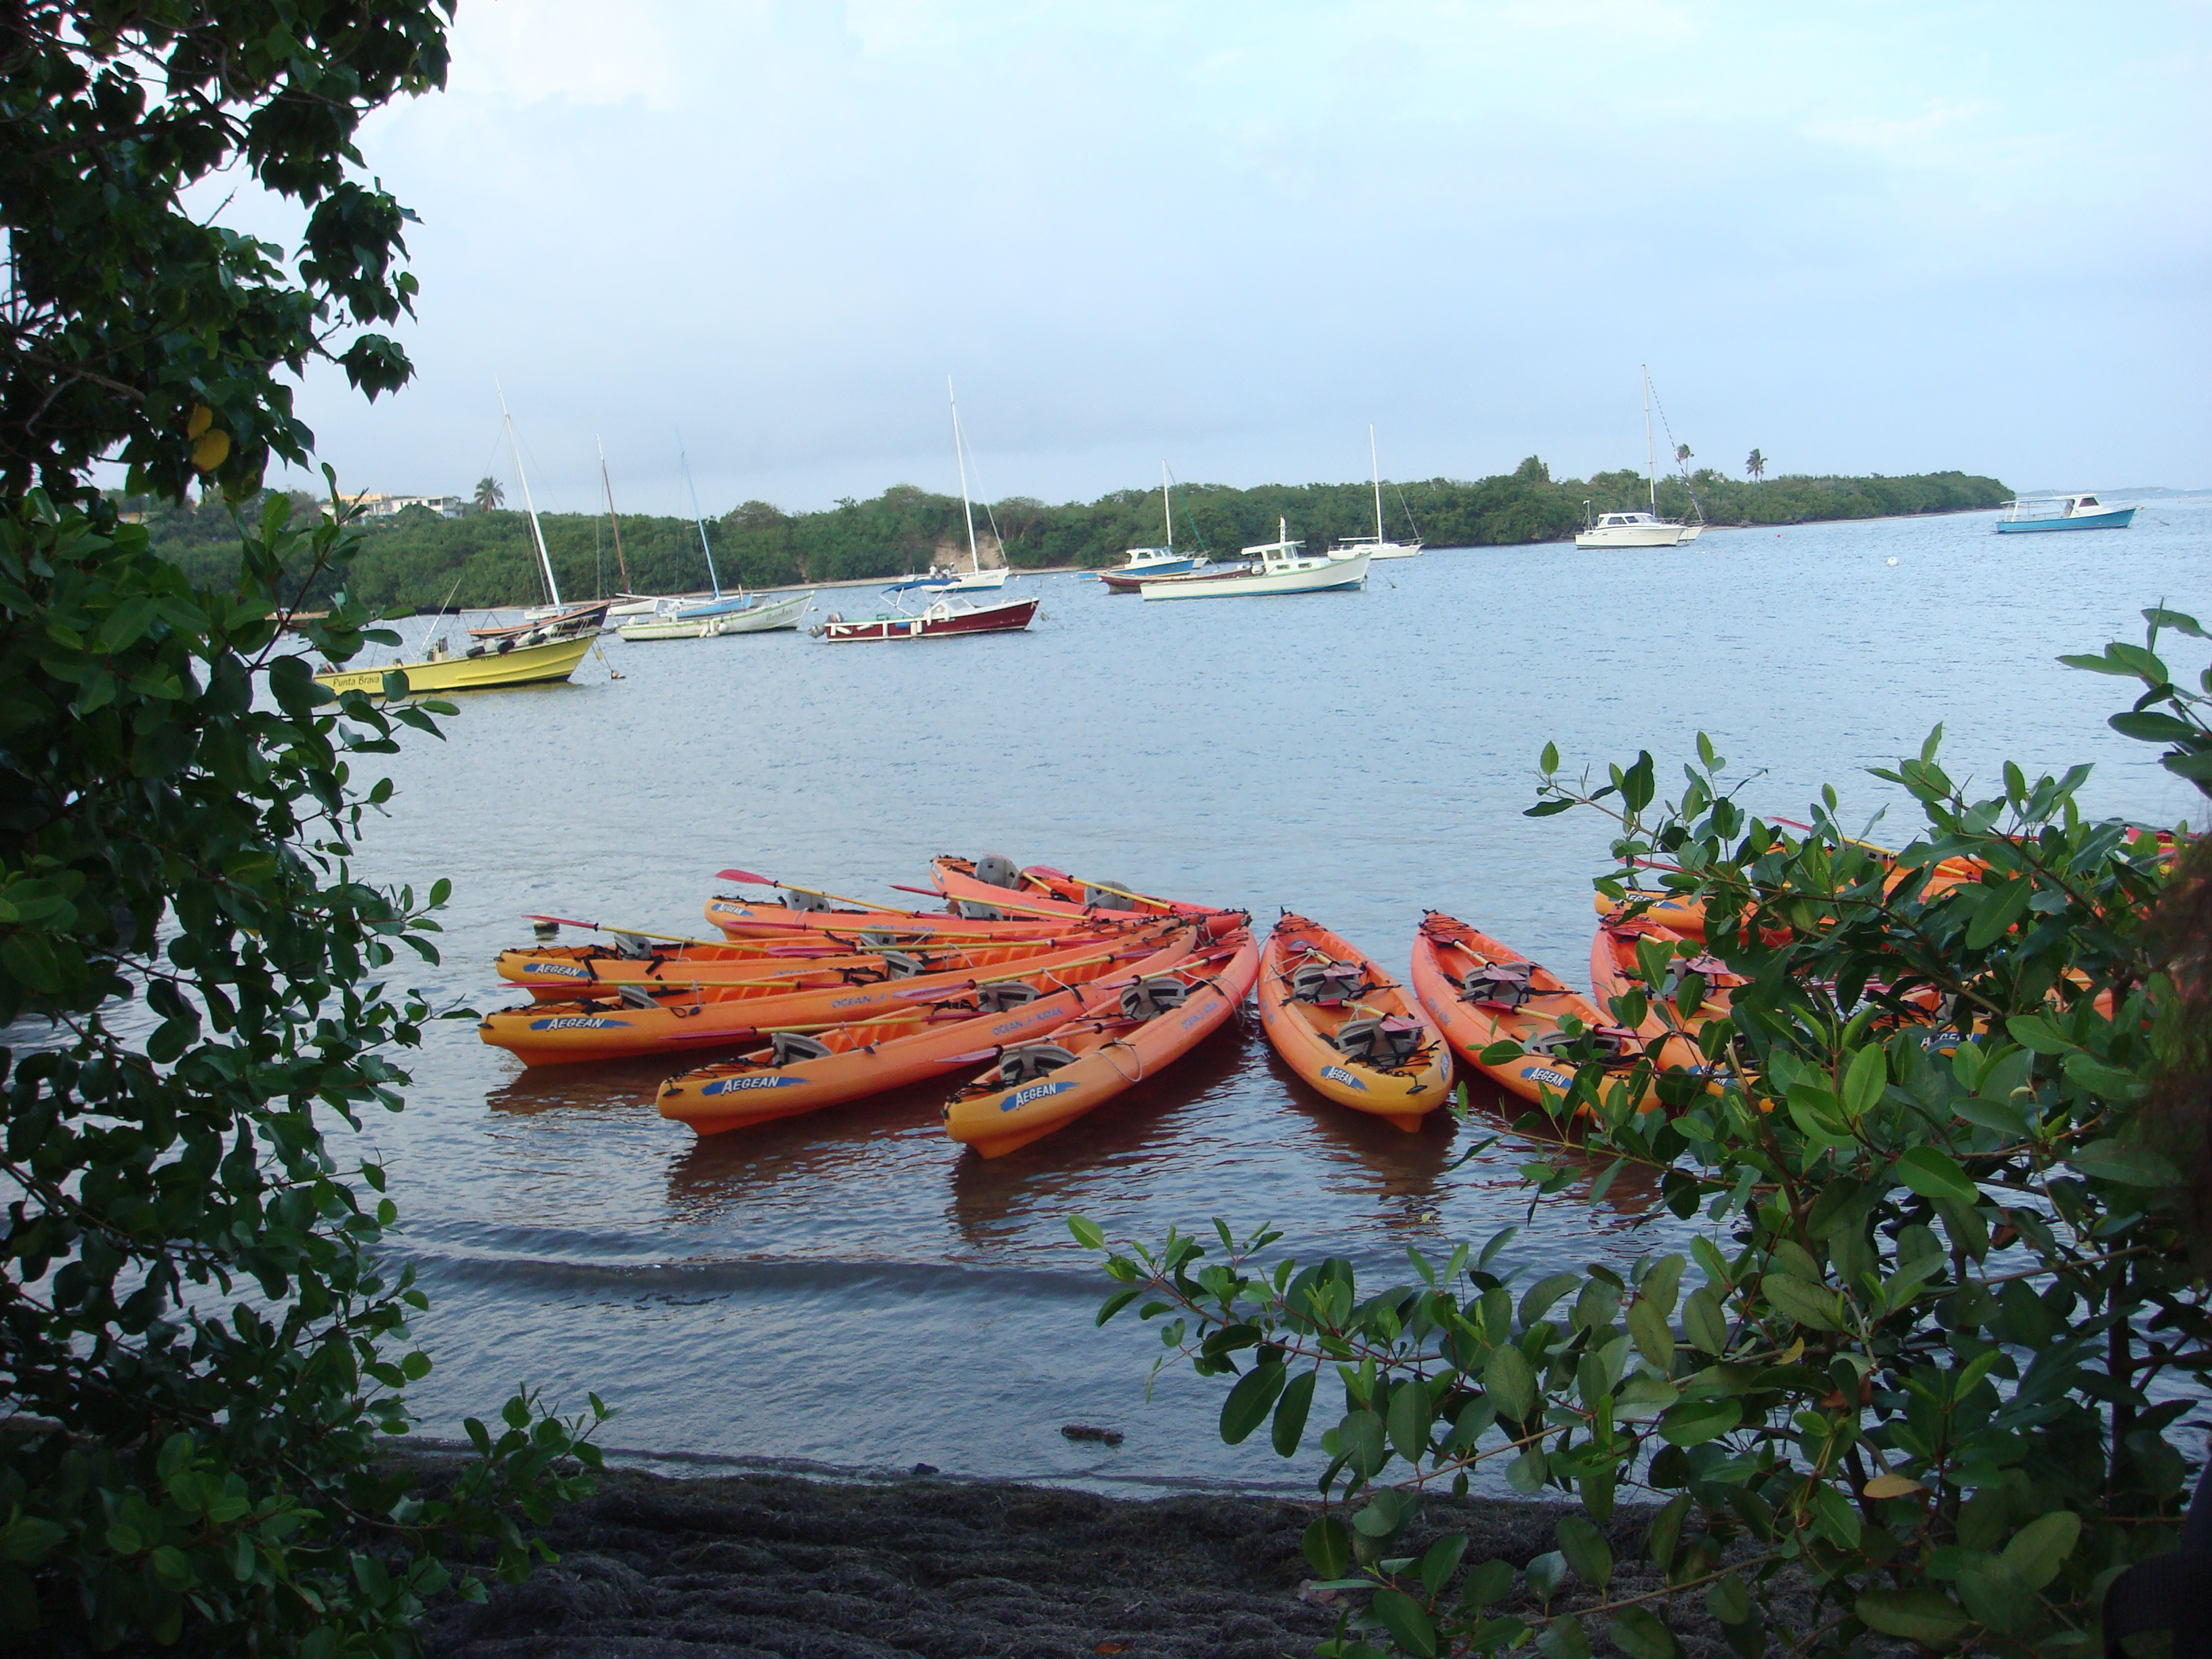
x=852 y=1289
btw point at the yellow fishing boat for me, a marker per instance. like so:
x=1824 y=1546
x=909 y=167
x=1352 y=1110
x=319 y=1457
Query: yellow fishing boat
x=480 y=668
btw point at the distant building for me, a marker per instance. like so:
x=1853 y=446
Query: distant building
x=372 y=505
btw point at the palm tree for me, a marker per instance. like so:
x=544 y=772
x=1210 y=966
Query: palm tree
x=1754 y=466
x=489 y=495
x=1683 y=453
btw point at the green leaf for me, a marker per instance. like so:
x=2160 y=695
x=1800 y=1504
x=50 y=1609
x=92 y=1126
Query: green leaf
x=1087 y=1232
x=1546 y=1572
x=1409 y=1626
x=1327 y=1545
x=2175 y=622
x=1486 y=1582
x=1807 y=1304
x=2038 y=1035
x=1564 y=1638
x=1993 y=1592
x=1441 y=1561
x=1693 y=1422
x=1114 y=1303
x=2147 y=726
x=1545 y=1292
x=2001 y=907
x=1865 y=1079
x=1586 y=1551
x=1508 y=1379
x=1932 y=1175
x=1639 y=1635
x=1290 y=1414
x=1250 y=1400
x=1728 y=1599
x=1408 y=1418
x=1921 y=1614
x=2040 y=1549
x=2125 y=1164
x=1648 y=1329
x=1360 y=1436
x=1704 y=1321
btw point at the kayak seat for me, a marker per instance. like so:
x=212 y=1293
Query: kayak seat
x=969 y=910
x=630 y=948
x=897 y=964
x=1503 y=984
x=1026 y=1065
x=1608 y=1043
x=1385 y=1040
x=636 y=996
x=795 y=900
x=997 y=869
x=1103 y=898
x=1148 y=999
x=997 y=998
x=786 y=1047
x=1326 y=983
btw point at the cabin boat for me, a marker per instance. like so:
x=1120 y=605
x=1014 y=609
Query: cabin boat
x=1279 y=566
x=946 y=619
x=533 y=658
x=1633 y=530
x=2062 y=512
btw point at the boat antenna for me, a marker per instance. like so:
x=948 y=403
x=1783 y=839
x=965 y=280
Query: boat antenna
x=544 y=559
x=1167 y=505
x=1197 y=532
x=1651 y=458
x=1376 y=466
x=697 y=517
x=613 y=517
x=960 y=455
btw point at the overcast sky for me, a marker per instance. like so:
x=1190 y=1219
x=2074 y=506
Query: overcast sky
x=1864 y=237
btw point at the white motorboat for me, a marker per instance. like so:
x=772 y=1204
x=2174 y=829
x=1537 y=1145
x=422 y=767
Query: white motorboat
x=1279 y=566
x=1379 y=545
x=2063 y=513
x=1638 y=529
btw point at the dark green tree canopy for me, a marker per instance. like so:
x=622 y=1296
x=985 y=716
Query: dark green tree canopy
x=134 y=329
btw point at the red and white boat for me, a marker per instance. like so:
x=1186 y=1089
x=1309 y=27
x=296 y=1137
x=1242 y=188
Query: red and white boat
x=946 y=619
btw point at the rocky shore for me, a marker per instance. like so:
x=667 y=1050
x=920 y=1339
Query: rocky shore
x=773 y=1565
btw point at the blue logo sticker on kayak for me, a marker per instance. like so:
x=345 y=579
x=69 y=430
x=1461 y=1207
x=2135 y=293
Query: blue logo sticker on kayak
x=853 y=1002
x=725 y=1085
x=1545 y=1074
x=565 y=970
x=1338 y=1074
x=1021 y=1098
x=577 y=1023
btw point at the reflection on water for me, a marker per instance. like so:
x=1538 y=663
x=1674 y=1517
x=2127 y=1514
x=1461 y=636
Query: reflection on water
x=850 y=1284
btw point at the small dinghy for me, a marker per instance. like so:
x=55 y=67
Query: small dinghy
x=1347 y=1028
x=1043 y=1085
x=639 y=1020
x=1479 y=993
x=805 y=1071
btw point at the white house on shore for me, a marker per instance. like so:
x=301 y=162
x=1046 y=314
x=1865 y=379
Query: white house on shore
x=372 y=505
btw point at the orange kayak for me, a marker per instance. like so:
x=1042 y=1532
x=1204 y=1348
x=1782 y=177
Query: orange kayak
x=1040 y=1087
x=1613 y=972
x=975 y=885
x=740 y=918
x=800 y=1073
x=555 y=973
x=1347 y=1028
x=1479 y=993
x=641 y=1021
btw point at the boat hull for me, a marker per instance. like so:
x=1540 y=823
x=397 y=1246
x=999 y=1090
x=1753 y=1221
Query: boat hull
x=1636 y=535
x=2118 y=517
x=1301 y=1032
x=573 y=619
x=711 y=623
x=1334 y=576
x=1110 y=1058
x=743 y=918
x=525 y=665
x=938 y=623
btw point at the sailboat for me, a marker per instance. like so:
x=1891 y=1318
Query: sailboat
x=943 y=578
x=1377 y=546
x=1146 y=563
x=1638 y=529
x=626 y=604
x=556 y=616
x=725 y=613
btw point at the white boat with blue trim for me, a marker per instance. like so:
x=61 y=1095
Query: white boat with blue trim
x=2062 y=512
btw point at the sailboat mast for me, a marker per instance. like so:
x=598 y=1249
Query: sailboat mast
x=1376 y=466
x=960 y=454
x=544 y=559
x=1650 y=455
x=697 y=517
x=1167 y=505
x=613 y=517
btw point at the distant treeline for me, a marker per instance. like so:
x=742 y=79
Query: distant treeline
x=417 y=559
